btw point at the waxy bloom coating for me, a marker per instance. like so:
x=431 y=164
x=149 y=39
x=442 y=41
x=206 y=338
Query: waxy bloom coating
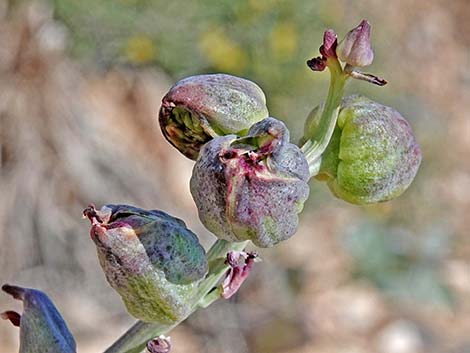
x=251 y=188
x=199 y=108
x=150 y=258
x=373 y=155
x=42 y=329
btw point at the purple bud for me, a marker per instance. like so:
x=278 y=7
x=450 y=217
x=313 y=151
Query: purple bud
x=161 y=344
x=199 y=108
x=355 y=48
x=42 y=329
x=150 y=258
x=327 y=50
x=253 y=187
x=330 y=41
x=241 y=264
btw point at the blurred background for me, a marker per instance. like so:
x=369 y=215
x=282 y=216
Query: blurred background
x=80 y=87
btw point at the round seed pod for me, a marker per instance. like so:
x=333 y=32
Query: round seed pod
x=373 y=155
x=200 y=108
x=253 y=187
x=150 y=258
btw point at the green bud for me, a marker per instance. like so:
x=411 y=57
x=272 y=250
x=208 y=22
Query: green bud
x=253 y=187
x=42 y=329
x=150 y=258
x=372 y=156
x=200 y=108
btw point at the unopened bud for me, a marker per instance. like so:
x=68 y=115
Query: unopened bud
x=240 y=264
x=161 y=344
x=372 y=156
x=355 y=48
x=253 y=187
x=200 y=108
x=150 y=258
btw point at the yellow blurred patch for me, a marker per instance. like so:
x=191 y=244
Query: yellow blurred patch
x=224 y=53
x=140 y=49
x=283 y=41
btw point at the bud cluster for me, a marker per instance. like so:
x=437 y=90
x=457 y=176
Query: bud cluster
x=249 y=183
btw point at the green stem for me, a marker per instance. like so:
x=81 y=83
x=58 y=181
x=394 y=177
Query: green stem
x=136 y=338
x=318 y=142
x=214 y=295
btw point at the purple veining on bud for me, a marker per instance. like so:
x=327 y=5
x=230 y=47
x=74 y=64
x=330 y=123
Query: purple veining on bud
x=42 y=329
x=355 y=48
x=199 y=108
x=161 y=344
x=150 y=258
x=252 y=187
x=327 y=50
x=241 y=264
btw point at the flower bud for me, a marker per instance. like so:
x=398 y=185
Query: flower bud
x=253 y=187
x=150 y=258
x=199 y=108
x=327 y=50
x=42 y=329
x=241 y=264
x=355 y=48
x=160 y=344
x=373 y=155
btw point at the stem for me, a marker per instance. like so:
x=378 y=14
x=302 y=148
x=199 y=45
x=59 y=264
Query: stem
x=211 y=297
x=318 y=142
x=136 y=338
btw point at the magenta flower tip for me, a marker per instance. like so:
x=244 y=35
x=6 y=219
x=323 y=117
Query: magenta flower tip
x=327 y=50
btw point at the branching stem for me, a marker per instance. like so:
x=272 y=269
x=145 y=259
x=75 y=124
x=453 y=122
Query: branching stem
x=318 y=142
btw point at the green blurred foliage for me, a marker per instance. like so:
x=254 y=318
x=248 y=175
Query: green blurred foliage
x=402 y=264
x=264 y=40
